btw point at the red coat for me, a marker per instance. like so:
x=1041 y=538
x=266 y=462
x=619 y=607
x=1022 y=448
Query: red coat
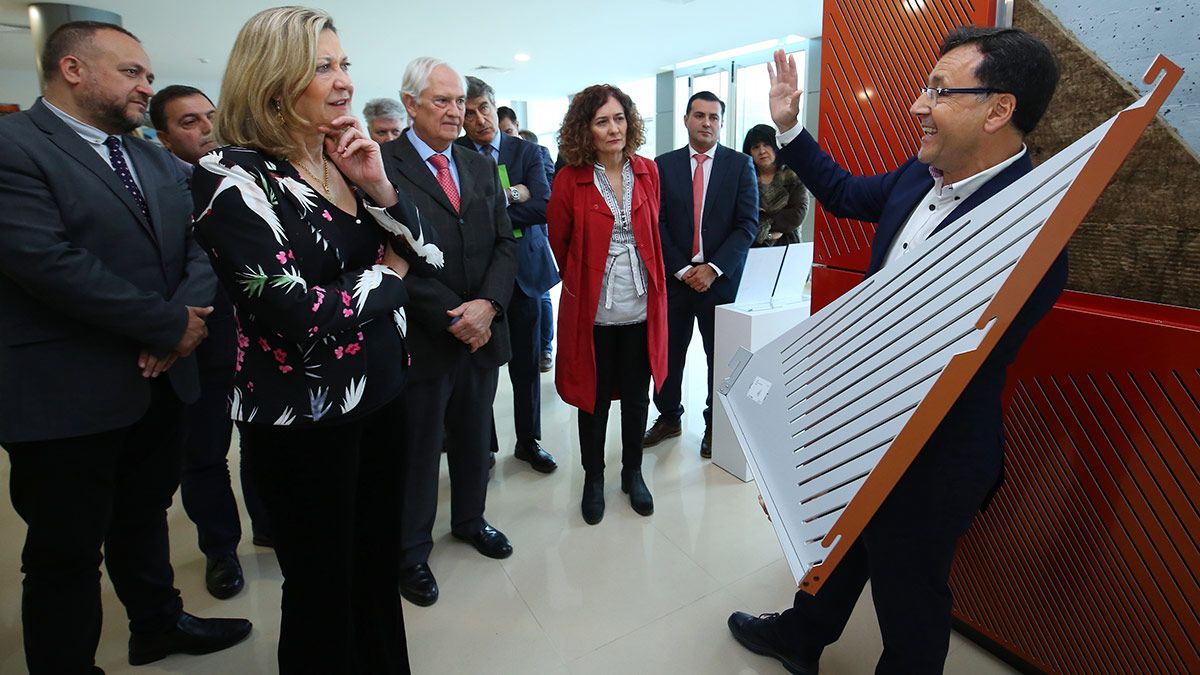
x=580 y=229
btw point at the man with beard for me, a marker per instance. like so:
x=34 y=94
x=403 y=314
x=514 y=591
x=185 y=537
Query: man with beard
x=103 y=298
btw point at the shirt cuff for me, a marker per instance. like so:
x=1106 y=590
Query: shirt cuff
x=680 y=273
x=715 y=268
x=789 y=135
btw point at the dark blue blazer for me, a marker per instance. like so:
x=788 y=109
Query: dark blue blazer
x=968 y=443
x=536 y=271
x=729 y=221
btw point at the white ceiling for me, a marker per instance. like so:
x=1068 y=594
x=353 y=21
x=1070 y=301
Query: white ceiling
x=573 y=44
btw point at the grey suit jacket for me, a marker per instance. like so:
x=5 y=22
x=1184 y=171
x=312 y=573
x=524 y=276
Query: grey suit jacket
x=86 y=282
x=480 y=256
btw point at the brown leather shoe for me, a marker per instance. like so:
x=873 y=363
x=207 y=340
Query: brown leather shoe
x=661 y=431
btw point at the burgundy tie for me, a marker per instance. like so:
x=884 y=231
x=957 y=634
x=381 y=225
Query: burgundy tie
x=444 y=178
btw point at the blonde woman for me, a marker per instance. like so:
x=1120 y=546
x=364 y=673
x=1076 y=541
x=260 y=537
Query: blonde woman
x=313 y=243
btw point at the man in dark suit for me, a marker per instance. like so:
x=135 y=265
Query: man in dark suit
x=102 y=291
x=708 y=220
x=988 y=90
x=458 y=328
x=182 y=117
x=527 y=193
x=511 y=126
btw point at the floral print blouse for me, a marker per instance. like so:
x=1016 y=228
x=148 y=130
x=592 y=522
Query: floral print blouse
x=320 y=319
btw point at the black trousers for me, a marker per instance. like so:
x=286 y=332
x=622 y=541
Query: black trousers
x=334 y=500
x=205 y=486
x=685 y=306
x=523 y=369
x=906 y=551
x=77 y=495
x=622 y=367
x=454 y=410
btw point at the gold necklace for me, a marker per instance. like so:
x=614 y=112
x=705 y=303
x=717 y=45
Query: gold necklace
x=324 y=174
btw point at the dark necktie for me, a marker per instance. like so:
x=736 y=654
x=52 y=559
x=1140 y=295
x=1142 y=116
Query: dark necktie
x=487 y=152
x=117 y=158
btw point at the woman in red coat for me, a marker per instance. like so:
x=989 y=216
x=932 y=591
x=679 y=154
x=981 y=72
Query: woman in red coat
x=612 y=321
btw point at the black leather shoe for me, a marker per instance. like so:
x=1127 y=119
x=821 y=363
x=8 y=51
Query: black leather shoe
x=593 y=501
x=488 y=541
x=547 y=362
x=706 y=444
x=264 y=540
x=189 y=635
x=418 y=586
x=639 y=495
x=223 y=576
x=661 y=430
x=757 y=634
x=536 y=455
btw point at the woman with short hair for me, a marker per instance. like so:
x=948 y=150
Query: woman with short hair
x=612 y=322
x=782 y=199
x=312 y=244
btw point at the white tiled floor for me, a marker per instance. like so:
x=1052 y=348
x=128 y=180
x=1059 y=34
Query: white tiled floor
x=630 y=595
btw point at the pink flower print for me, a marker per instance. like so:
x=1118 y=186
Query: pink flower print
x=314 y=330
x=360 y=336
x=250 y=386
x=337 y=353
x=281 y=257
x=379 y=254
x=291 y=256
x=262 y=343
x=353 y=348
x=285 y=369
x=345 y=298
x=347 y=312
x=326 y=216
x=242 y=340
x=241 y=356
x=279 y=355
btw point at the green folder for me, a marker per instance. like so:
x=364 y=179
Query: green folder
x=517 y=234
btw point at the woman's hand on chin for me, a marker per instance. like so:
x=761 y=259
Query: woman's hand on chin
x=358 y=158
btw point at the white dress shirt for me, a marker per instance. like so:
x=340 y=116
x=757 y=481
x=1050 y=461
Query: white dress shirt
x=711 y=153
x=938 y=203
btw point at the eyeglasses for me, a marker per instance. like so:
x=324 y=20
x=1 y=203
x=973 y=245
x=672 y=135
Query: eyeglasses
x=932 y=93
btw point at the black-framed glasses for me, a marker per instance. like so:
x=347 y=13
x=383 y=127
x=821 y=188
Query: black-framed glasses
x=932 y=93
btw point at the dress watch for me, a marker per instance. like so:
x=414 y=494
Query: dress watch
x=514 y=194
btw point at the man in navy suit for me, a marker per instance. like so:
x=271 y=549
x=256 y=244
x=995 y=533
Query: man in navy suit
x=103 y=299
x=527 y=195
x=510 y=125
x=708 y=220
x=988 y=90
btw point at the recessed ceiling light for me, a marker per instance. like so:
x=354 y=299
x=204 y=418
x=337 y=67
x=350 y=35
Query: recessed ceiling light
x=522 y=57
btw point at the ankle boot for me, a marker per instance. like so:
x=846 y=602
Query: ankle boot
x=593 y=500
x=639 y=495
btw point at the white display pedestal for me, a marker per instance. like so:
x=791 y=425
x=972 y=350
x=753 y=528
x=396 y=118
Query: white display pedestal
x=749 y=325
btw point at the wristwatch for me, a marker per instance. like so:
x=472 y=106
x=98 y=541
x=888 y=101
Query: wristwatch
x=514 y=195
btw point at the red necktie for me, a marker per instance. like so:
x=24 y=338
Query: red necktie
x=444 y=178
x=697 y=202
